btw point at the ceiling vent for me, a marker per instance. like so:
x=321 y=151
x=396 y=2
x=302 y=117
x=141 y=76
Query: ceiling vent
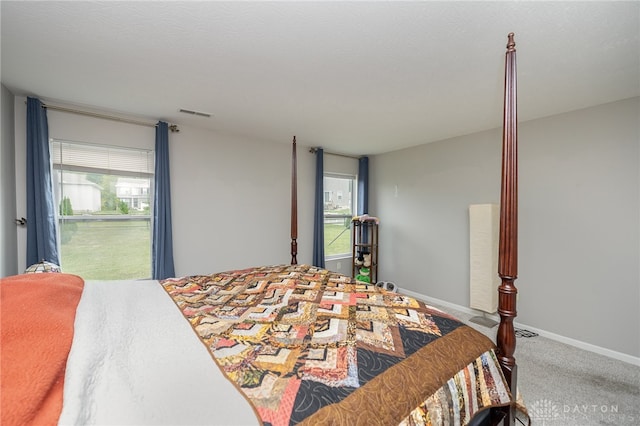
x=201 y=114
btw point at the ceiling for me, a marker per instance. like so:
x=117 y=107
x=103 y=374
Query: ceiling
x=352 y=77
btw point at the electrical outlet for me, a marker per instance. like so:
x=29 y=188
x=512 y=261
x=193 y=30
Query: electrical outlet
x=338 y=266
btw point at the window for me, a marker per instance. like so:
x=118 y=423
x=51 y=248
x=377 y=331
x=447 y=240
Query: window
x=104 y=196
x=339 y=208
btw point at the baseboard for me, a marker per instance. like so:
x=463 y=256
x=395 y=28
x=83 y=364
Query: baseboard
x=583 y=345
x=549 y=335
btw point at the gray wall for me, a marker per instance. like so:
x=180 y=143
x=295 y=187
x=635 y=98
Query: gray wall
x=231 y=201
x=579 y=210
x=579 y=244
x=8 y=234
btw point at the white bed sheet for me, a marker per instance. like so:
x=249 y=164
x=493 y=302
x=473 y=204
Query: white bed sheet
x=136 y=361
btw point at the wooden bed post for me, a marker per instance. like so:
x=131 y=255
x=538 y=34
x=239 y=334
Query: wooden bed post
x=294 y=205
x=508 y=248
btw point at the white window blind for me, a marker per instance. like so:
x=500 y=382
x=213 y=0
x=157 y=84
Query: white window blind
x=101 y=158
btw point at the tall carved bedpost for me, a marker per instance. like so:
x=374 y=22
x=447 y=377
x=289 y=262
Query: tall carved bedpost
x=508 y=248
x=294 y=205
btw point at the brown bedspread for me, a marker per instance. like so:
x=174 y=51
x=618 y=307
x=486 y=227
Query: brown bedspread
x=306 y=345
x=38 y=313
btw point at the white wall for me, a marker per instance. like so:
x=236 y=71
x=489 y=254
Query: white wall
x=230 y=196
x=579 y=214
x=8 y=232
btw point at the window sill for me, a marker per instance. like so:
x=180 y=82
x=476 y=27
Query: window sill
x=337 y=257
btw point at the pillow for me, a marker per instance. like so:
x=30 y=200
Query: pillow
x=42 y=266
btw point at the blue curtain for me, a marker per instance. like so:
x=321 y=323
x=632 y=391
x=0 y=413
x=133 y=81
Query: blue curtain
x=318 y=213
x=162 y=254
x=363 y=186
x=42 y=234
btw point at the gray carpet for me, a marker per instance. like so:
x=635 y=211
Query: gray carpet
x=566 y=386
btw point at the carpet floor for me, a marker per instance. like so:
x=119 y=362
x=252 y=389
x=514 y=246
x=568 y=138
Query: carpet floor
x=565 y=386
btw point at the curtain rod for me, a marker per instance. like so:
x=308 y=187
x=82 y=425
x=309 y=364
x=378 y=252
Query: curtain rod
x=172 y=127
x=314 y=150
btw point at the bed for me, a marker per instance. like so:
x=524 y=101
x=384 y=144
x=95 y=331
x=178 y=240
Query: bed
x=272 y=345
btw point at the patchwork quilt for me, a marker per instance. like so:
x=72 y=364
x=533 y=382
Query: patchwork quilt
x=309 y=346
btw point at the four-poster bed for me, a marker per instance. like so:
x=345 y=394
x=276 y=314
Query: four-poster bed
x=508 y=244
x=293 y=344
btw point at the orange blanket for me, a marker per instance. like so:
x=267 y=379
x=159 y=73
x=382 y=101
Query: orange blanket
x=37 y=316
